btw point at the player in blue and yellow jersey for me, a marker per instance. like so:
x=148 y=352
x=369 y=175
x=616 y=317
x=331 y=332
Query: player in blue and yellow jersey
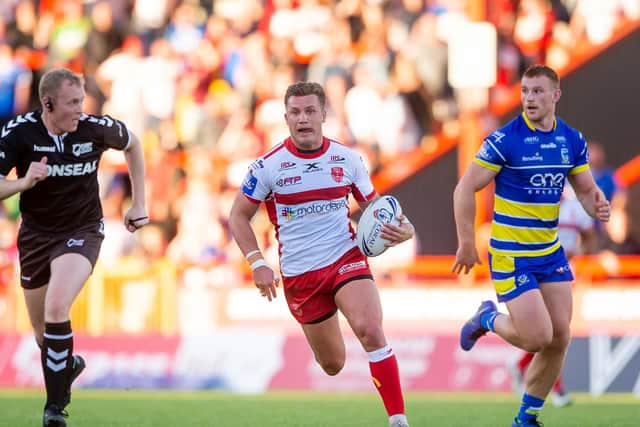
x=528 y=159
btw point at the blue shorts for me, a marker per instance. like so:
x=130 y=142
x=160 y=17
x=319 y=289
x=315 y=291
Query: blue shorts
x=511 y=276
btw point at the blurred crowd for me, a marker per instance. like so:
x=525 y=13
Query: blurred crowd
x=202 y=84
x=550 y=31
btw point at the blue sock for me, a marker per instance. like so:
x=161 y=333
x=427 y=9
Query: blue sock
x=531 y=407
x=487 y=320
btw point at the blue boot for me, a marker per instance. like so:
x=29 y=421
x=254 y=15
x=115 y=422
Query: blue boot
x=472 y=330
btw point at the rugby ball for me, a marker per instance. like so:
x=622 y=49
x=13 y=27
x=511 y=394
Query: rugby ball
x=384 y=210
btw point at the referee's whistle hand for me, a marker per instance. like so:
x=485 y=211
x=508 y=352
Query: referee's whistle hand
x=135 y=218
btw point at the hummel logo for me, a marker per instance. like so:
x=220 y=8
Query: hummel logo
x=44 y=148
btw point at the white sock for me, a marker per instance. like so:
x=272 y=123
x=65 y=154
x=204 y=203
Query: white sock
x=380 y=354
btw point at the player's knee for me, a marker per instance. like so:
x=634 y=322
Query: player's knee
x=332 y=367
x=561 y=339
x=538 y=341
x=370 y=334
x=56 y=310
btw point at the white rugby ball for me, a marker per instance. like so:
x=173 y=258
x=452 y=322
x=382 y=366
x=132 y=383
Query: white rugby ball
x=384 y=210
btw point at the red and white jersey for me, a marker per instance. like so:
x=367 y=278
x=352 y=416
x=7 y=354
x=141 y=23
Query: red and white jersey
x=306 y=195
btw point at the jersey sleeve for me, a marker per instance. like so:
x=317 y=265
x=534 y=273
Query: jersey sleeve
x=362 y=187
x=255 y=186
x=8 y=153
x=581 y=155
x=491 y=154
x=111 y=132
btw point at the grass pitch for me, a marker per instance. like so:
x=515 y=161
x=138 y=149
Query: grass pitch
x=124 y=408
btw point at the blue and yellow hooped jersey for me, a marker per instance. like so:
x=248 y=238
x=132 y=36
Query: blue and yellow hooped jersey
x=532 y=166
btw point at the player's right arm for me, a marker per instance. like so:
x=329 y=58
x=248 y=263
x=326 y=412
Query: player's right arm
x=240 y=216
x=240 y=225
x=474 y=179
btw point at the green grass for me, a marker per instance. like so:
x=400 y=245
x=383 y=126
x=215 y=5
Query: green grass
x=97 y=408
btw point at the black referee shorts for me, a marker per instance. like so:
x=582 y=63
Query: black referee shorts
x=38 y=249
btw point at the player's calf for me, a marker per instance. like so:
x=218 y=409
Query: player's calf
x=386 y=378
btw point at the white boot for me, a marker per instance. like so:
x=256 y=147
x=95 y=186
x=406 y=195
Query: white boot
x=561 y=399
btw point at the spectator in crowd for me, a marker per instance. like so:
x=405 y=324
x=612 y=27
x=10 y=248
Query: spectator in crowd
x=532 y=31
x=604 y=176
x=596 y=20
x=20 y=32
x=622 y=234
x=15 y=83
x=105 y=36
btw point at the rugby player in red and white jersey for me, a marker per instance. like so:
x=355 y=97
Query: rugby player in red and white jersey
x=305 y=182
x=56 y=152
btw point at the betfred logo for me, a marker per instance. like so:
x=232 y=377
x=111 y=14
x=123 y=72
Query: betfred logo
x=287 y=165
x=289 y=180
x=336 y=159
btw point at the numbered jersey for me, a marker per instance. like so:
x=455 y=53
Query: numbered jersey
x=68 y=198
x=306 y=195
x=532 y=166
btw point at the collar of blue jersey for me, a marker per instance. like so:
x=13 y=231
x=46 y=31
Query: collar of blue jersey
x=531 y=126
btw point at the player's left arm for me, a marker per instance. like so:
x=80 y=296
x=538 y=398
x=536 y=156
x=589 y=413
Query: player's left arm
x=590 y=196
x=136 y=217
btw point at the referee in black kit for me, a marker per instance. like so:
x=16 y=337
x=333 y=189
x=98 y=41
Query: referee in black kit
x=56 y=152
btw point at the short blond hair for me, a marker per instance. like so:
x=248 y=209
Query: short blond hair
x=52 y=80
x=304 y=89
x=537 y=70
